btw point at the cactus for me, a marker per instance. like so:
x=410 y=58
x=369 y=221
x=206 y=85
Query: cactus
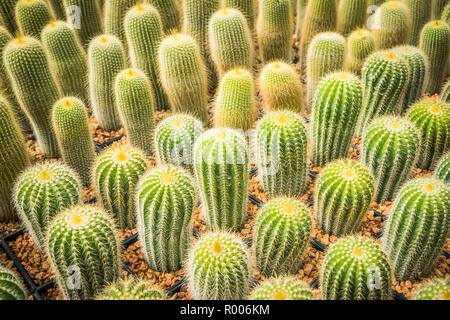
x=432 y=118
x=246 y=7
x=435 y=42
x=390 y=149
x=385 y=79
x=218 y=268
x=106 y=59
x=417 y=227
x=443 y=169
x=83 y=239
x=136 y=106
x=58 y=9
x=221 y=164
x=71 y=123
x=285 y=288
x=235 y=103
x=349 y=271
x=326 y=54
x=281 y=147
x=132 y=290
x=7 y=13
x=281 y=88
x=34 y=87
x=420 y=13
x=67 y=59
x=32 y=16
x=351 y=15
x=436 y=289
x=334 y=116
x=437 y=6
x=41 y=192
x=114 y=12
x=282 y=234
x=230 y=41
x=360 y=44
x=11 y=288
x=274 y=28
x=165 y=202
x=183 y=75
x=445 y=95
x=171 y=14
x=143 y=29
x=13 y=158
x=117 y=171
x=446 y=14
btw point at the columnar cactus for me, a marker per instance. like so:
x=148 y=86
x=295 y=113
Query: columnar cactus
x=183 y=75
x=301 y=7
x=135 y=102
x=436 y=289
x=7 y=13
x=344 y=193
x=218 y=268
x=417 y=227
x=117 y=172
x=355 y=268
x=106 y=59
x=114 y=12
x=360 y=44
x=351 y=15
x=32 y=16
x=83 y=240
x=284 y=288
x=335 y=113
x=432 y=118
x=132 y=290
x=282 y=234
x=420 y=14
x=221 y=164
x=235 y=103
x=437 y=6
x=247 y=7
x=11 y=288
x=171 y=14
x=274 y=29
x=58 y=9
x=41 y=192
x=446 y=14
x=281 y=88
x=443 y=169
x=445 y=95
x=390 y=149
x=165 y=203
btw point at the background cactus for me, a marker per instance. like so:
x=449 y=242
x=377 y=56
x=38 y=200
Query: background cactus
x=436 y=289
x=285 y=288
x=351 y=15
x=417 y=227
x=114 y=12
x=446 y=14
x=11 y=288
x=246 y=7
x=171 y=14
x=443 y=169
x=437 y=6
x=445 y=95
x=360 y=44
x=7 y=12
x=58 y=9
x=132 y=290
x=32 y=16
x=420 y=11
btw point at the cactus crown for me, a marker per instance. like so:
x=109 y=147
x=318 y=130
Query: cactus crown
x=133 y=290
x=284 y=288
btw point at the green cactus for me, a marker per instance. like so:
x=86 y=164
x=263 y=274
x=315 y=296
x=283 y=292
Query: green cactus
x=432 y=118
x=143 y=29
x=58 y=9
x=446 y=14
x=284 y=288
x=132 y=290
x=360 y=45
x=420 y=13
x=83 y=240
x=34 y=87
x=221 y=163
x=437 y=6
x=281 y=148
x=106 y=59
x=436 y=289
x=445 y=95
x=7 y=13
x=32 y=16
x=246 y=7
x=165 y=202
x=41 y=192
x=443 y=169
x=417 y=227
x=117 y=171
x=335 y=113
x=71 y=123
x=218 y=268
x=114 y=12
x=375 y=2
x=171 y=14
x=351 y=15
x=282 y=234
x=183 y=75
x=355 y=268
x=11 y=288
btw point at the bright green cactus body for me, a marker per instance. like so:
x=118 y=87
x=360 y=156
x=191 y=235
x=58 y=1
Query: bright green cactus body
x=41 y=192
x=355 y=268
x=7 y=13
x=171 y=14
x=282 y=144
x=420 y=11
x=133 y=290
x=445 y=95
x=436 y=289
x=417 y=227
x=335 y=113
x=344 y=193
x=221 y=163
x=443 y=169
x=183 y=75
x=106 y=59
x=71 y=124
x=437 y=6
x=235 y=103
x=114 y=12
x=282 y=234
x=32 y=16
x=351 y=15
x=83 y=240
x=218 y=268
x=284 y=288
x=360 y=45
x=165 y=200
x=390 y=149
x=67 y=59
x=246 y=7
x=117 y=172
x=135 y=102
x=11 y=288
x=34 y=87
x=274 y=29
x=432 y=118
x=230 y=41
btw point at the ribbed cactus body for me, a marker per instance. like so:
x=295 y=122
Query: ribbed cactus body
x=218 y=268
x=132 y=290
x=7 y=12
x=165 y=202
x=32 y=16
x=445 y=94
x=420 y=11
x=246 y=7
x=351 y=15
x=106 y=59
x=11 y=288
x=284 y=288
x=436 y=289
x=437 y=6
x=443 y=169
x=355 y=268
x=114 y=12
x=360 y=45
x=58 y=8
x=417 y=227
x=446 y=14
x=117 y=172
x=221 y=163
x=83 y=240
x=335 y=112
x=41 y=192
x=171 y=14
x=282 y=234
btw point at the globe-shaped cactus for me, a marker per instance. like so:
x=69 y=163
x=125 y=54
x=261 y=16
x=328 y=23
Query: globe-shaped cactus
x=284 y=288
x=443 y=169
x=360 y=44
x=132 y=290
x=436 y=289
x=11 y=288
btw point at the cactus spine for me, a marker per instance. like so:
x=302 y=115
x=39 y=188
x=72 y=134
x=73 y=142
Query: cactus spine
x=351 y=15
x=171 y=14
x=436 y=289
x=133 y=290
x=32 y=16
x=420 y=13
x=443 y=169
x=246 y=7
x=11 y=288
x=360 y=45
x=114 y=14
x=284 y=288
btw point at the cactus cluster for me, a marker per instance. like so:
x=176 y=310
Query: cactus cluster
x=283 y=288
x=11 y=288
